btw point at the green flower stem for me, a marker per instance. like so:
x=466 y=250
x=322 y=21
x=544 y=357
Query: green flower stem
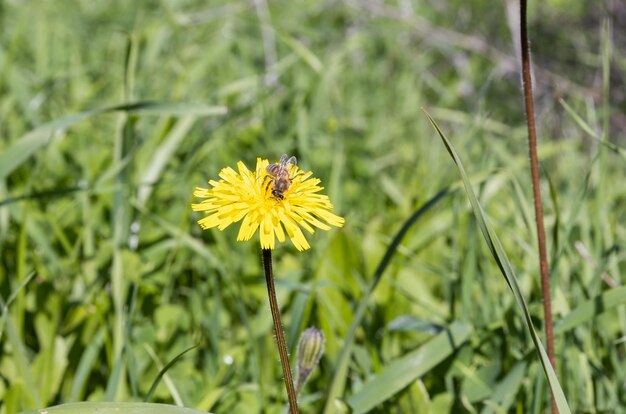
x=278 y=329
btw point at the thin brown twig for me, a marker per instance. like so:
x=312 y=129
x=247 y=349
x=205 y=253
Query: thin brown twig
x=278 y=329
x=534 y=170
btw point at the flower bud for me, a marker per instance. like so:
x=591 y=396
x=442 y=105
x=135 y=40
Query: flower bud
x=310 y=350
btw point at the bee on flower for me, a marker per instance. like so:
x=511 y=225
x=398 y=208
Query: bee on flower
x=275 y=199
x=279 y=172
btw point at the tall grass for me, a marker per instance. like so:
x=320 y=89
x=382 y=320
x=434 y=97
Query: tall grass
x=112 y=112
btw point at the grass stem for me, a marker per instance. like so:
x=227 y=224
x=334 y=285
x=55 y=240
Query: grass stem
x=534 y=170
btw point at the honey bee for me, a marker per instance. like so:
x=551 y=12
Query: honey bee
x=279 y=174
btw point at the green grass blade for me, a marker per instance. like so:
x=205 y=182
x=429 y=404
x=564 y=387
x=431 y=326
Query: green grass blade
x=303 y=52
x=341 y=367
x=507 y=271
x=5 y=305
x=24 y=147
x=29 y=143
x=577 y=118
x=172 y=109
x=114 y=379
x=505 y=392
x=403 y=371
x=114 y=408
x=85 y=365
x=20 y=353
x=182 y=237
x=43 y=195
x=163 y=370
x=591 y=309
x=589 y=130
x=120 y=223
x=161 y=157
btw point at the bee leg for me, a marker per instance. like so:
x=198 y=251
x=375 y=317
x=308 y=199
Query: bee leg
x=268 y=181
x=291 y=178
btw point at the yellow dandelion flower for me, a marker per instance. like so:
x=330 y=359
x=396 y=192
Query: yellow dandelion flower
x=247 y=196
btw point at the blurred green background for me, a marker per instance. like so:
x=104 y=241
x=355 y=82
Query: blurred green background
x=107 y=276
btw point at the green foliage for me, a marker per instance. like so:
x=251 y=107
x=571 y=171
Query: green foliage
x=112 y=408
x=499 y=255
x=112 y=112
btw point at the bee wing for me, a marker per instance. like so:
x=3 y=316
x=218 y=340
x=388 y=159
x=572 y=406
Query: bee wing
x=286 y=160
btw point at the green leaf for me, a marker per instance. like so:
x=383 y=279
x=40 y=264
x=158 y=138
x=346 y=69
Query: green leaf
x=114 y=408
x=506 y=269
x=403 y=371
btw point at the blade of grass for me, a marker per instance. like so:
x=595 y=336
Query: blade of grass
x=303 y=52
x=20 y=354
x=341 y=367
x=114 y=379
x=5 y=305
x=591 y=308
x=19 y=309
x=120 y=222
x=86 y=364
x=161 y=156
x=589 y=130
x=173 y=109
x=18 y=346
x=606 y=116
x=133 y=372
x=544 y=270
x=504 y=394
x=24 y=147
x=162 y=374
x=43 y=195
x=401 y=372
x=115 y=408
x=498 y=253
x=578 y=119
x=184 y=238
